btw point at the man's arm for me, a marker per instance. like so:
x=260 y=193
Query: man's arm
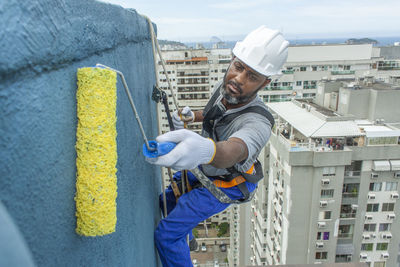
x=198 y=116
x=229 y=152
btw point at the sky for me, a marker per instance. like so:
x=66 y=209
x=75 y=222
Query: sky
x=231 y=20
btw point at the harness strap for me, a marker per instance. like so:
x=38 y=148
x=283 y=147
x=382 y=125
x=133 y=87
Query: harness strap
x=235 y=181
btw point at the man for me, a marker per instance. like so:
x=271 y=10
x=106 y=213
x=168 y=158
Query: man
x=236 y=126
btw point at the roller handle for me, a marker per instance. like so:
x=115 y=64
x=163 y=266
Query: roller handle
x=158 y=149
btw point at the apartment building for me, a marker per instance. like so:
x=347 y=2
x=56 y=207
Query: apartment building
x=194 y=73
x=308 y=64
x=333 y=171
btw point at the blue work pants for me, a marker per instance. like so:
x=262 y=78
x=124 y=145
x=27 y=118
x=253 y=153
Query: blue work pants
x=191 y=209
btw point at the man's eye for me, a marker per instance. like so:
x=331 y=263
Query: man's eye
x=238 y=67
x=253 y=78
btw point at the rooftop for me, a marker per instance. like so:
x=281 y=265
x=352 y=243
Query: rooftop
x=311 y=125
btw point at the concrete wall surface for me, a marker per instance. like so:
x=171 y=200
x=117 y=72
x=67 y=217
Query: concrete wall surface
x=43 y=43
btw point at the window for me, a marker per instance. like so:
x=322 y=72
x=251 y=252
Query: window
x=384 y=227
x=350 y=190
x=367 y=247
x=369 y=227
x=328 y=193
x=391 y=186
x=388 y=207
x=325 y=215
x=298 y=83
x=303 y=68
x=379 y=264
x=372 y=207
x=321 y=255
x=323 y=236
x=314 y=68
x=328 y=171
x=375 y=187
x=382 y=246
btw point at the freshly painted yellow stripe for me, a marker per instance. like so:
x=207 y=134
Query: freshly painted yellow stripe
x=96 y=148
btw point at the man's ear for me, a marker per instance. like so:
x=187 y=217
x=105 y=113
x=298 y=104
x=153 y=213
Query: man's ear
x=266 y=82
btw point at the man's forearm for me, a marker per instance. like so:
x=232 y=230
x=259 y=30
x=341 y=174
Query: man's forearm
x=229 y=153
x=198 y=116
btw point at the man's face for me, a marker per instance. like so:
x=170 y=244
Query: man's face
x=241 y=83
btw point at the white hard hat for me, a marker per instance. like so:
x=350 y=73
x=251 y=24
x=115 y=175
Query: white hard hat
x=263 y=50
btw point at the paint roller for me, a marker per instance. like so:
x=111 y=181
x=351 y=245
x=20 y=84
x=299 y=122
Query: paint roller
x=96 y=184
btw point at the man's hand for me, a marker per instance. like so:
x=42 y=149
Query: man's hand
x=191 y=150
x=179 y=117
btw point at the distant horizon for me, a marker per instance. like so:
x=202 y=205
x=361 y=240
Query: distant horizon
x=316 y=38
x=233 y=38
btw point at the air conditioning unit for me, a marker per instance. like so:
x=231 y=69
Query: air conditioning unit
x=363 y=256
x=387 y=236
x=323 y=204
x=319 y=245
x=373 y=235
x=391 y=216
x=366 y=237
x=374 y=175
x=394 y=195
x=275 y=182
x=397 y=175
x=325 y=181
x=371 y=196
x=368 y=217
x=385 y=255
x=349 y=257
x=321 y=224
x=354 y=206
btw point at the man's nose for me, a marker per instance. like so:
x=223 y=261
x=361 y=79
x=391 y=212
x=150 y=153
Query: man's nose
x=241 y=77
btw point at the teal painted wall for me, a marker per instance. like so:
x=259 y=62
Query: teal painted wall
x=43 y=43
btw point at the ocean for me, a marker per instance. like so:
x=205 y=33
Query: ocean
x=382 y=41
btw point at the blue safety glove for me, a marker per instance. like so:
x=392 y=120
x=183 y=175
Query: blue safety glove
x=191 y=150
x=182 y=116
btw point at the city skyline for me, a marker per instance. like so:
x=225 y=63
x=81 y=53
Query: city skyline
x=233 y=19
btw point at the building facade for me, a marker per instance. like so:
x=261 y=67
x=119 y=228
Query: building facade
x=333 y=176
x=194 y=73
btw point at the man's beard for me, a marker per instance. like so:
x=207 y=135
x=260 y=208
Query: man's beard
x=239 y=99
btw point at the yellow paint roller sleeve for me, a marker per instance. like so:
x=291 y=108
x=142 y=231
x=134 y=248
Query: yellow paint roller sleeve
x=96 y=148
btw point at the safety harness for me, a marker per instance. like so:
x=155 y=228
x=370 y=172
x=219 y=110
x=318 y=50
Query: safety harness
x=213 y=119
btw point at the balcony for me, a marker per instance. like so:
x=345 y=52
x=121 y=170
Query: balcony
x=287 y=71
x=342 y=72
x=352 y=173
x=350 y=194
x=279 y=88
x=345 y=235
x=351 y=215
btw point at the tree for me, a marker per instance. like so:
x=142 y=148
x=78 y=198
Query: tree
x=222 y=229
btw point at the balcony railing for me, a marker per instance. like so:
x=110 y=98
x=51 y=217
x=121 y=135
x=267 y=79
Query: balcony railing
x=342 y=72
x=352 y=173
x=350 y=194
x=279 y=88
x=345 y=235
x=287 y=71
x=309 y=87
x=347 y=215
